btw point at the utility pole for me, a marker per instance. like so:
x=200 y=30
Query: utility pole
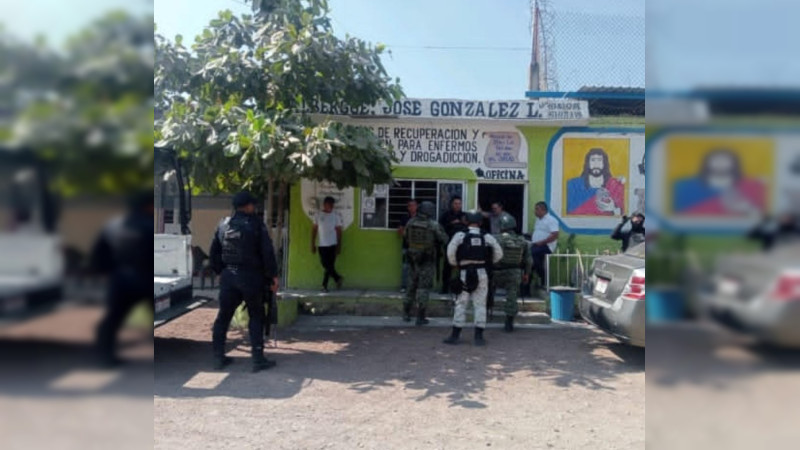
x=534 y=68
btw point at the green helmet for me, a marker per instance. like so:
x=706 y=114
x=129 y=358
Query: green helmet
x=507 y=222
x=474 y=217
x=427 y=209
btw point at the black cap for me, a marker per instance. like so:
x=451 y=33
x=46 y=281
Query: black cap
x=243 y=198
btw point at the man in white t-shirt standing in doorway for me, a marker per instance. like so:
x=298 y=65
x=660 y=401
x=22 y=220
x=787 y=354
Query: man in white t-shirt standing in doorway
x=328 y=226
x=544 y=239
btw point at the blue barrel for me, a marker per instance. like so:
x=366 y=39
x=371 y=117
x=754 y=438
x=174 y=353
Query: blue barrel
x=562 y=304
x=664 y=304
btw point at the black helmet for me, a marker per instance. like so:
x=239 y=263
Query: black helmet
x=243 y=198
x=474 y=217
x=427 y=209
x=507 y=222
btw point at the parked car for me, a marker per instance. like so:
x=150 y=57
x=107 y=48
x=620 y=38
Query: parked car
x=758 y=294
x=613 y=296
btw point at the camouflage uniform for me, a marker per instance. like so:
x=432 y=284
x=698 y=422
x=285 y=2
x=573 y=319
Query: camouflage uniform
x=423 y=236
x=508 y=272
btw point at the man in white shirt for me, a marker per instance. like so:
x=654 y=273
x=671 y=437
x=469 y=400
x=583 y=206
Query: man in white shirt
x=544 y=239
x=471 y=252
x=328 y=226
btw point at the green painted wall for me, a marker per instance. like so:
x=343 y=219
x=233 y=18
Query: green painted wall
x=371 y=259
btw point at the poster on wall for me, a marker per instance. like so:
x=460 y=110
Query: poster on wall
x=493 y=152
x=716 y=181
x=314 y=192
x=595 y=178
x=374 y=207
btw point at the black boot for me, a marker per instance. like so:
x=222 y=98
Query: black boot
x=479 y=341
x=509 y=327
x=260 y=362
x=406 y=313
x=421 y=320
x=454 y=336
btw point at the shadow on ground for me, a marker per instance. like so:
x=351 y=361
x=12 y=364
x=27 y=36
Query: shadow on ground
x=54 y=356
x=705 y=355
x=371 y=359
x=33 y=368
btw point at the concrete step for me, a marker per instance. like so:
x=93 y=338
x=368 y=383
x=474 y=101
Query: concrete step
x=382 y=303
x=331 y=323
x=363 y=303
x=539 y=318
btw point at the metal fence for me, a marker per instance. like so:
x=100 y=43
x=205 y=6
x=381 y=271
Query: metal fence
x=583 y=44
x=569 y=270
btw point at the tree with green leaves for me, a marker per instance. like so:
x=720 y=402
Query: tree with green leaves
x=85 y=108
x=234 y=103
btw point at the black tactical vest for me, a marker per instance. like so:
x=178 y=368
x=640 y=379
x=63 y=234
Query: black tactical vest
x=472 y=248
x=240 y=246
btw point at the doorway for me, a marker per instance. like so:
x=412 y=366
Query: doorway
x=511 y=195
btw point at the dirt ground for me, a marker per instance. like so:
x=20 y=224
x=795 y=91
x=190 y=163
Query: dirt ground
x=707 y=388
x=54 y=395
x=387 y=388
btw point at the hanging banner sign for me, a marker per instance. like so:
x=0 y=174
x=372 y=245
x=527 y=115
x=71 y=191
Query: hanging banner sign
x=555 y=109
x=494 y=153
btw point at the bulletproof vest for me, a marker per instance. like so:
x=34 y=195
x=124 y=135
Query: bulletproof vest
x=421 y=235
x=513 y=248
x=473 y=248
x=239 y=242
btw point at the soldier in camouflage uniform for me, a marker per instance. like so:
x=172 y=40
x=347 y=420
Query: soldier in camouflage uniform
x=423 y=235
x=508 y=272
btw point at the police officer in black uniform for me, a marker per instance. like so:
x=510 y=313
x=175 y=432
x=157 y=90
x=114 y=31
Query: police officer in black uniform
x=242 y=252
x=122 y=252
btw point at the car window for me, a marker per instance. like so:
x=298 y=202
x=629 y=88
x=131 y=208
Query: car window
x=637 y=250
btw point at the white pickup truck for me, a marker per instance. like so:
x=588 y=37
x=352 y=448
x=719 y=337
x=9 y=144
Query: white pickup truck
x=172 y=277
x=31 y=274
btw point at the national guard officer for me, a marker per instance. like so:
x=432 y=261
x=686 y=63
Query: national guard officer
x=508 y=273
x=472 y=252
x=424 y=235
x=242 y=252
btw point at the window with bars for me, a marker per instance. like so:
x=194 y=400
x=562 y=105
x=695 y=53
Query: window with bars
x=386 y=208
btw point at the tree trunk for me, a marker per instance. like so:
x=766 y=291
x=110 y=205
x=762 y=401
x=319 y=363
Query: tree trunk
x=281 y=210
x=268 y=208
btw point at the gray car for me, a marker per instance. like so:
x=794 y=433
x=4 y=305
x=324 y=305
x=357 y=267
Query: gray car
x=758 y=294
x=613 y=296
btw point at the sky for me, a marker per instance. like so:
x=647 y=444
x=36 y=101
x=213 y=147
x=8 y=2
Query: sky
x=597 y=42
x=492 y=40
x=471 y=49
x=63 y=18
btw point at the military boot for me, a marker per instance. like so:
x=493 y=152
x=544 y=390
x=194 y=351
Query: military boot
x=509 y=326
x=406 y=313
x=421 y=320
x=260 y=362
x=454 y=336
x=479 y=341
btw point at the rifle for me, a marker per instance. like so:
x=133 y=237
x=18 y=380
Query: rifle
x=490 y=282
x=437 y=266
